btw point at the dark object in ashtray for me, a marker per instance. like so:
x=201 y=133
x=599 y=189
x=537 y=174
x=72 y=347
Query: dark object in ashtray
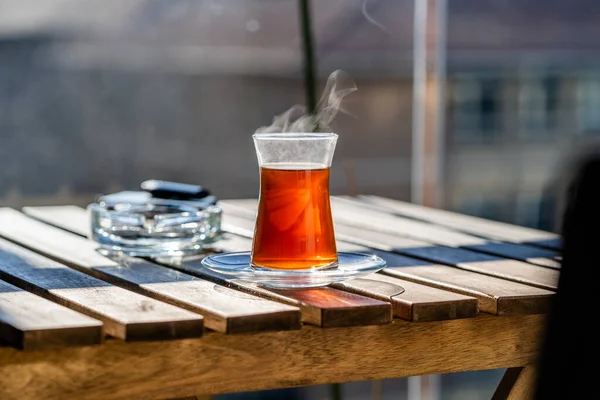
x=174 y=190
x=159 y=192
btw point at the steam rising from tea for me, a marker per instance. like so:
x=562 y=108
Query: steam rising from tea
x=297 y=119
x=294 y=225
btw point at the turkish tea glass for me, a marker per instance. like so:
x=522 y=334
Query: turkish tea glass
x=294 y=226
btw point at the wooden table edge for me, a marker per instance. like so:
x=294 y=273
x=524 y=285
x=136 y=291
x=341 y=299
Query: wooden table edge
x=219 y=363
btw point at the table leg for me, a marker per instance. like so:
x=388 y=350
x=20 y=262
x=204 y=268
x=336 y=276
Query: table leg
x=517 y=384
x=425 y=387
x=376 y=390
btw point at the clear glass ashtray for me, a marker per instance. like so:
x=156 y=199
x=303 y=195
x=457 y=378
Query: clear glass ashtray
x=154 y=229
x=350 y=266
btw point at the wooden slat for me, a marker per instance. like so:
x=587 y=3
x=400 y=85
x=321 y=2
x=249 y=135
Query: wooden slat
x=353 y=213
x=369 y=234
x=415 y=302
x=220 y=363
x=224 y=309
x=241 y=207
x=325 y=307
x=495 y=295
x=30 y=322
x=469 y=224
x=126 y=315
x=71 y=218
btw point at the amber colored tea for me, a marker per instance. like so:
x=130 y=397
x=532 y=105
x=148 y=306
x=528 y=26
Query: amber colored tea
x=294 y=228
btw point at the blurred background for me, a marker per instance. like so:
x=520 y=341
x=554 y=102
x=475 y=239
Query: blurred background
x=473 y=106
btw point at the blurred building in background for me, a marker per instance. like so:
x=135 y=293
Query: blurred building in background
x=96 y=96
x=523 y=90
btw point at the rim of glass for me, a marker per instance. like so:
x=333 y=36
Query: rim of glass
x=295 y=135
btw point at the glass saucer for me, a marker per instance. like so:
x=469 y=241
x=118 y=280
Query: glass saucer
x=350 y=266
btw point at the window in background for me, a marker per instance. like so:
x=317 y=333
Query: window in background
x=476 y=103
x=588 y=104
x=538 y=109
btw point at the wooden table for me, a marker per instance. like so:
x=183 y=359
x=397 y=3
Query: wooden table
x=459 y=294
